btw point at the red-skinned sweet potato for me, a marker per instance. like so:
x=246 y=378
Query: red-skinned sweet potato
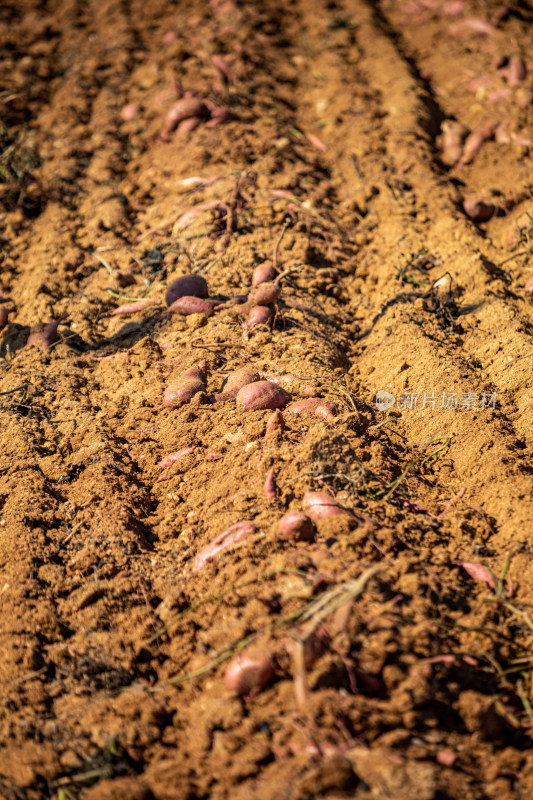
x=183 y=388
x=262 y=395
x=258 y=315
x=249 y=672
x=296 y=526
x=186 y=286
x=317 y=405
x=264 y=273
x=264 y=294
x=192 y=305
x=320 y=505
x=233 y=535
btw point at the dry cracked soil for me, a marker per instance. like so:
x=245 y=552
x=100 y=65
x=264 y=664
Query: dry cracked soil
x=375 y=159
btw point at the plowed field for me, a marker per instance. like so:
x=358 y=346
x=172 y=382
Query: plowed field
x=377 y=158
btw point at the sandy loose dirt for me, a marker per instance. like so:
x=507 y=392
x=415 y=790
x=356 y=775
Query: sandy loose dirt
x=378 y=155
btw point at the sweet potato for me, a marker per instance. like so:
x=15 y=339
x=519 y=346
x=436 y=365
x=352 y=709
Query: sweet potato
x=188 y=125
x=4 y=316
x=46 y=337
x=264 y=273
x=275 y=423
x=249 y=672
x=452 y=140
x=192 y=305
x=218 y=116
x=479 y=210
x=295 y=384
x=234 y=383
x=186 y=286
x=129 y=112
x=182 y=109
x=183 y=388
x=316 y=142
x=324 y=408
x=472 y=26
x=516 y=70
x=258 y=315
x=478 y=572
x=239 y=378
x=270 y=485
x=262 y=395
x=130 y=308
x=296 y=526
x=222 y=67
x=319 y=505
x=445 y=758
x=200 y=208
x=235 y=534
x=173 y=457
x=181 y=391
x=474 y=141
x=264 y=294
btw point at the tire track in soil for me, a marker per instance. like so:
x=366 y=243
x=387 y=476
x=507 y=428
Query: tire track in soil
x=100 y=591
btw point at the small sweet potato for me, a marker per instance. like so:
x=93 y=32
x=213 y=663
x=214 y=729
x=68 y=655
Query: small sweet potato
x=296 y=526
x=199 y=371
x=235 y=534
x=188 y=125
x=129 y=112
x=212 y=205
x=275 y=423
x=221 y=65
x=324 y=408
x=46 y=337
x=130 y=308
x=516 y=70
x=167 y=461
x=479 y=210
x=270 y=485
x=453 y=136
x=182 y=109
x=192 y=305
x=478 y=572
x=258 y=315
x=264 y=273
x=472 y=26
x=249 y=672
x=474 y=141
x=218 y=116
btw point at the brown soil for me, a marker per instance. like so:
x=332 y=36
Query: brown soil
x=420 y=683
